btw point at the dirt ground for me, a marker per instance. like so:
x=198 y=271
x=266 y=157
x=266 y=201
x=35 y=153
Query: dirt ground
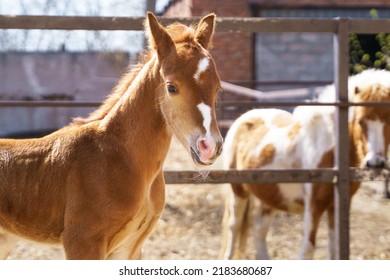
x=190 y=227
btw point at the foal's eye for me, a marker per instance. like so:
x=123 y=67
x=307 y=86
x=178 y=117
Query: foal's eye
x=172 y=89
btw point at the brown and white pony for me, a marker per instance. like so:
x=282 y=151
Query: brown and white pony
x=277 y=139
x=97 y=186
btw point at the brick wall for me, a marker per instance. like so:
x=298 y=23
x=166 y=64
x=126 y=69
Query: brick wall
x=299 y=56
x=293 y=57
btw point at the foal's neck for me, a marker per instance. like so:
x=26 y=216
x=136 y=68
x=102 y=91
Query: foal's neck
x=136 y=119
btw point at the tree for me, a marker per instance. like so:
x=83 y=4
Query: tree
x=369 y=51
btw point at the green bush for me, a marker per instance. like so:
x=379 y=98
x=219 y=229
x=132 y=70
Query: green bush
x=369 y=51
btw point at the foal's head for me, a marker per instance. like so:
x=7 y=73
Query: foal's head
x=190 y=84
x=371 y=125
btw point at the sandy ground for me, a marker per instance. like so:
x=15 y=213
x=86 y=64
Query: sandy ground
x=190 y=227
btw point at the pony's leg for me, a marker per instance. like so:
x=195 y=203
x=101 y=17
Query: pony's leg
x=262 y=220
x=387 y=189
x=331 y=225
x=317 y=199
x=7 y=243
x=234 y=225
x=331 y=234
x=310 y=222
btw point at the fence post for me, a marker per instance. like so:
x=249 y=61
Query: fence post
x=341 y=73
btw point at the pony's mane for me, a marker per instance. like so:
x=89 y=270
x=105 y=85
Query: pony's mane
x=375 y=84
x=371 y=85
x=373 y=93
x=178 y=32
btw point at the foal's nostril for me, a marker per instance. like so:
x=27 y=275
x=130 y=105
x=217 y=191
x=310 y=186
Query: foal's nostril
x=206 y=145
x=203 y=145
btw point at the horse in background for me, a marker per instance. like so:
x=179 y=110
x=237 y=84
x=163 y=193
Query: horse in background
x=97 y=185
x=277 y=139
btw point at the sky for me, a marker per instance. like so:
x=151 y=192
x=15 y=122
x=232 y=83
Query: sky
x=160 y=4
x=38 y=40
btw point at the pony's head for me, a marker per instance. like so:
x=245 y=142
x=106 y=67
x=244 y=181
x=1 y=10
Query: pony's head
x=371 y=125
x=190 y=84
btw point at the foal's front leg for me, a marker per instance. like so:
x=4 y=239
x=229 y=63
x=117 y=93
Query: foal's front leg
x=78 y=246
x=156 y=204
x=132 y=247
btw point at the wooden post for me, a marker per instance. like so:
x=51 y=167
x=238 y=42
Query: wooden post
x=341 y=73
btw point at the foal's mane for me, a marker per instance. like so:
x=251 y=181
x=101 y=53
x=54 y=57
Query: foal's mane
x=178 y=32
x=111 y=99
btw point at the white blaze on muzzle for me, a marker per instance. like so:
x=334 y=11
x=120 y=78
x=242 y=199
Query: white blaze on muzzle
x=376 y=145
x=206 y=145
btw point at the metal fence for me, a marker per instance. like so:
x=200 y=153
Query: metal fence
x=341 y=174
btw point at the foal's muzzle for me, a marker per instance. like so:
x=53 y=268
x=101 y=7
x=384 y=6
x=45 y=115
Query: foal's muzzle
x=206 y=150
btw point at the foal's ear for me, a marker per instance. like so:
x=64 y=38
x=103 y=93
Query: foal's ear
x=205 y=30
x=158 y=37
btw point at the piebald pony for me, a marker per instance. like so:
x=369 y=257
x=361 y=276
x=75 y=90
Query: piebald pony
x=277 y=139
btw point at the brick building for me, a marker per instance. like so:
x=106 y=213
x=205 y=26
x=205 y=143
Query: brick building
x=277 y=60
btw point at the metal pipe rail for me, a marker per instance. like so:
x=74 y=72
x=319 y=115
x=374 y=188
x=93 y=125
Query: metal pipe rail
x=242 y=104
x=226 y=24
x=320 y=175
